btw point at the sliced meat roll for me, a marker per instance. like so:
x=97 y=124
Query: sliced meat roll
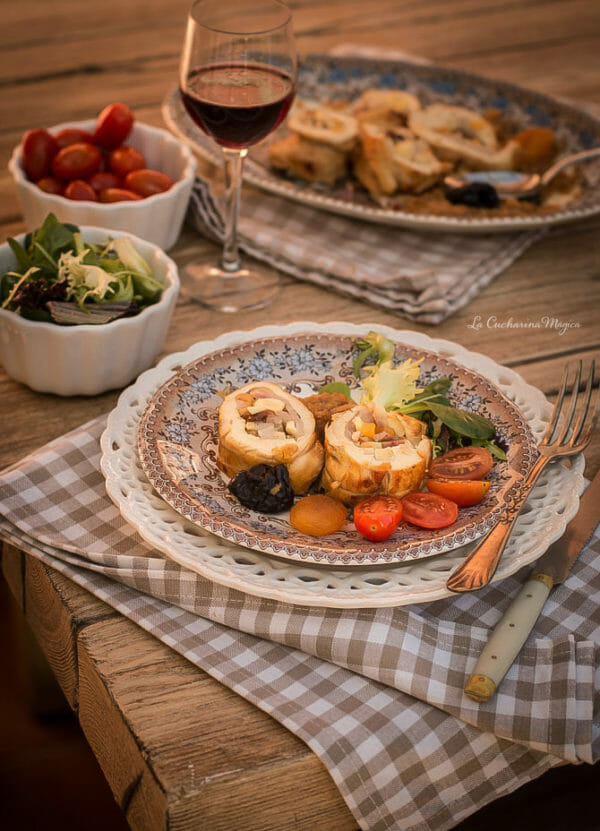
x=386 y=108
x=458 y=134
x=371 y=451
x=324 y=125
x=392 y=160
x=262 y=423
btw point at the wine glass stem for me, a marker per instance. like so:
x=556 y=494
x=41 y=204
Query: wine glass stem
x=233 y=165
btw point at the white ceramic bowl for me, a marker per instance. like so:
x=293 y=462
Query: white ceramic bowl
x=157 y=219
x=88 y=359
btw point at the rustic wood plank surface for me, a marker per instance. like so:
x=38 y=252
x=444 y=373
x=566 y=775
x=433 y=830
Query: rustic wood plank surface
x=175 y=746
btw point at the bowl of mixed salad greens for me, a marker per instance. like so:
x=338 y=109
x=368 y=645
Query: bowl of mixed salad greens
x=82 y=309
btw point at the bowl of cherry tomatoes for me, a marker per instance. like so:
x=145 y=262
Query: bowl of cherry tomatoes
x=111 y=172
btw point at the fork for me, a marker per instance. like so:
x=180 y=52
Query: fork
x=560 y=440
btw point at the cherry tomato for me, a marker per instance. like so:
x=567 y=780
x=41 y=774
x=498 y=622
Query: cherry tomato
x=318 y=515
x=72 y=135
x=103 y=179
x=39 y=149
x=49 y=184
x=465 y=492
x=124 y=159
x=147 y=182
x=377 y=517
x=81 y=191
x=428 y=510
x=462 y=463
x=113 y=126
x=76 y=161
x=118 y=195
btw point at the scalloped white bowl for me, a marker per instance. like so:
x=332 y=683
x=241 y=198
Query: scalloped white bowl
x=157 y=218
x=88 y=359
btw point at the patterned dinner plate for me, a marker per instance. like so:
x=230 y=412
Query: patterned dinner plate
x=178 y=436
x=334 y=78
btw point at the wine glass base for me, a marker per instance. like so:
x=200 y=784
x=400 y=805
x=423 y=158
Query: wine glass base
x=229 y=291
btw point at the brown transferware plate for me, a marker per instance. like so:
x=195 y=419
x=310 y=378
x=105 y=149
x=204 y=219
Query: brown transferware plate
x=178 y=434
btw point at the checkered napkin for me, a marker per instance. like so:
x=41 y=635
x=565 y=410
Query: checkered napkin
x=376 y=693
x=424 y=277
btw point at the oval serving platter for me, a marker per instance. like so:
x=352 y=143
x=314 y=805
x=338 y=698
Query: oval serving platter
x=178 y=434
x=327 y=77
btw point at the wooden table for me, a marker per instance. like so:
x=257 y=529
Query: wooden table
x=177 y=749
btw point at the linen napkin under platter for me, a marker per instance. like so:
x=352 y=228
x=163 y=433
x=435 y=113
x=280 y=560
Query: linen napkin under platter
x=424 y=277
x=377 y=694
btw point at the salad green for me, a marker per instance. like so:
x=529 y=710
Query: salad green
x=396 y=388
x=60 y=278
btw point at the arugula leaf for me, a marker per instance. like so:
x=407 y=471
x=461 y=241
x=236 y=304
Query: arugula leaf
x=473 y=425
x=491 y=445
x=337 y=386
x=21 y=255
x=48 y=242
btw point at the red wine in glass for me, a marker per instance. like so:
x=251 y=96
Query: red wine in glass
x=238 y=105
x=237 y=79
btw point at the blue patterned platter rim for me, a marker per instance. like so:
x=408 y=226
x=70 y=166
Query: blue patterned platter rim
x=327 y=77
x=178 y=435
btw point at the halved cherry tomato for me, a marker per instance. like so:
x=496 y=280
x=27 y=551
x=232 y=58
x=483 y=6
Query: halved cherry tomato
x=428 y=510
x=118 y=195
x=377 y=517
x=80 y=190
x=113 y=126
x=39 y=148
x=76 y=161
x=147 y=182
x=462 y=463
x=124 y=159
x=49 y=184
x=72 y=135
x=103 y=179
x=465 y=492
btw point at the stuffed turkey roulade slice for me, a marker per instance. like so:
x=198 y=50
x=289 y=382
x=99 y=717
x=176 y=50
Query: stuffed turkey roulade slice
x=261 y=423
x=371 y=451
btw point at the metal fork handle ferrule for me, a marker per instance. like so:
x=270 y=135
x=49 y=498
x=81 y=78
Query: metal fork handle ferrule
x=478 y=568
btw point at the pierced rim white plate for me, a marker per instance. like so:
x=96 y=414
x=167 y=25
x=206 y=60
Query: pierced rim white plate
x=178 y=441
x=552 y=503
x=328 y=77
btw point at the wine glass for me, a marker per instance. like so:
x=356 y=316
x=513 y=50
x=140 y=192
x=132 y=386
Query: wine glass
x=237 y=82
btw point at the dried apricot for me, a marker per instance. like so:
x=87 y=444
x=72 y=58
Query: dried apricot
x=317 y=515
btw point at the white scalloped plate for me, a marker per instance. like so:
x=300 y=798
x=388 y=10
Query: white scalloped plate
x=178 y=440
x=329 y=77
x=551 y=505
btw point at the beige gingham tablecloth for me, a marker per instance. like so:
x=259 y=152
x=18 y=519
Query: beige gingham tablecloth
x=376 y=693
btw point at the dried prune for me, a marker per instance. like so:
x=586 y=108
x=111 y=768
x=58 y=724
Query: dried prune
x=475 y=195
x=264 y=488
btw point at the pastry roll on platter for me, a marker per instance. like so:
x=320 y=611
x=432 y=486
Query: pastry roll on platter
x=392 y=160
x=370 y=451
x=261 y=423
x=458 y=134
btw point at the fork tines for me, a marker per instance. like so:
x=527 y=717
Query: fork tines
x=564 y=431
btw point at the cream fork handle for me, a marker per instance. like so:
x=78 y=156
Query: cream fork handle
x=478 y=568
